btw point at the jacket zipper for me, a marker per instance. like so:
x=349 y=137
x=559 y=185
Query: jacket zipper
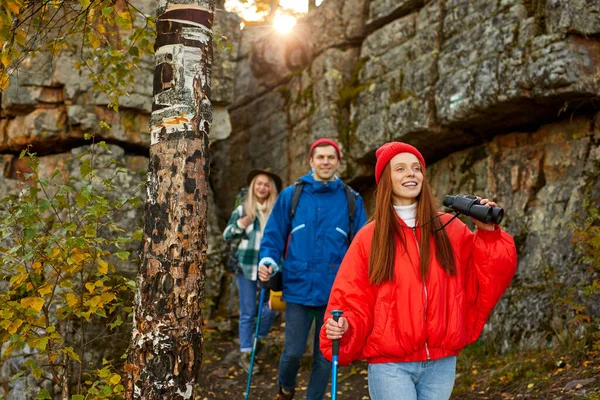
x=414 y=229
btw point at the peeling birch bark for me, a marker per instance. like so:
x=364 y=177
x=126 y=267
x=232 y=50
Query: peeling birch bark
x=165 y=353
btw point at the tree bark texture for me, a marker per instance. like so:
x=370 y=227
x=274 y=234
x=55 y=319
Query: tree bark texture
x=165 y=353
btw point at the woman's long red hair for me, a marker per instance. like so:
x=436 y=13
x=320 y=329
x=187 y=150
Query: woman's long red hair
x=388 y=228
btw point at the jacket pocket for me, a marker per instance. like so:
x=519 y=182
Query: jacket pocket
x=456 y=332
x=295 y=277
x=341 y=231
x=296 y=229
x=380 y=318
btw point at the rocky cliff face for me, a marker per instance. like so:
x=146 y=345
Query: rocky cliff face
x=500 y=96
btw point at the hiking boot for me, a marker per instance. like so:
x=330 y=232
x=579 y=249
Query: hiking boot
x=285 y=396
x=245 y=363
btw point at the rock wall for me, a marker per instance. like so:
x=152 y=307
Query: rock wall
x=501 y=97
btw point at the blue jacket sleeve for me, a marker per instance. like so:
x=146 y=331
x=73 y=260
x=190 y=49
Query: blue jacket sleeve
x=277 y=231
x=360 y=215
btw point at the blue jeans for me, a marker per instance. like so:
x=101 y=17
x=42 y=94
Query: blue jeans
x=422 y=380
x=247 y=290
x=298 y=319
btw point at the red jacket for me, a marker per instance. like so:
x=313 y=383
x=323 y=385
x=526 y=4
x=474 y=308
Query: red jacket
x=408 y=320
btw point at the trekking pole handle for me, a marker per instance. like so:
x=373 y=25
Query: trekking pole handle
x=336 y=343
x=265 y=285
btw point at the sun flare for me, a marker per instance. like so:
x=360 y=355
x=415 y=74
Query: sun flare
x=283 y=23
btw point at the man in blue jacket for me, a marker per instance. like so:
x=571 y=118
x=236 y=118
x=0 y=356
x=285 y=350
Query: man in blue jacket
x=313 y=242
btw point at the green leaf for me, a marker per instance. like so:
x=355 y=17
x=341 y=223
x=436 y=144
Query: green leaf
x=104 y=372
x=44 y=205
x=123 y=255
x=42 y=343
x=85 y=168
x=107 y=11
x=43 y=394
x=104 y=146
x=37 y=373
x=84 y=4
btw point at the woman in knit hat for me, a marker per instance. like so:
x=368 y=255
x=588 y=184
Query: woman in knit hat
x=414 y=292
x=247 y=222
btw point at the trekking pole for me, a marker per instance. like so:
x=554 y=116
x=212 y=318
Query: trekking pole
x=258 y=316
x=335 y=350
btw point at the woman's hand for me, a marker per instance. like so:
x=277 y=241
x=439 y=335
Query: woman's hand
x=335 y=330
x=244 y=222
x=481 y=225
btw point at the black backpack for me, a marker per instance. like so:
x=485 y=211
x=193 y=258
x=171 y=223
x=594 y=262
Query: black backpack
x=351 y=195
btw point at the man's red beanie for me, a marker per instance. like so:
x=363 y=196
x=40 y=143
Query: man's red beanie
x=328 y=142
x=386 y=152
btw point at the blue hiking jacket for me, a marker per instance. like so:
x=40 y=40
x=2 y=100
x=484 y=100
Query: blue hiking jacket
x=317 y=239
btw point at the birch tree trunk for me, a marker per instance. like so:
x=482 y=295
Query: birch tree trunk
x=165 y=353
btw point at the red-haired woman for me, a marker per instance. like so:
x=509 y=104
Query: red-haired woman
x=414 y=292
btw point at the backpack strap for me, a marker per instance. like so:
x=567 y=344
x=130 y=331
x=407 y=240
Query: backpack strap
x=240 y=198
x=351 y=196
x=295 y=197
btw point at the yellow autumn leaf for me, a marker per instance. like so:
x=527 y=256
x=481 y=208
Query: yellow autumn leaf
x=94 y=41
x=90 y=286
x=78 y=257
x=95 y=301
x=16 y=281
x=21 y=37
x=14 y=6
x=107 y=297
x=115 y=379
x=5 y=59
x=99 y=283
x=35 y=303
x=45 y=289
x=72 y=300
x=102 y=266
x=36 y=265
x=54 y=252
x=14 y=326
x=4 y=81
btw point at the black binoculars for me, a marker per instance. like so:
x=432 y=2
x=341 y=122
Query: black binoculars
x=469 y=205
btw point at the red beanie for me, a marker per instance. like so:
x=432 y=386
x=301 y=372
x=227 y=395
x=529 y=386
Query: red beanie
x=328 y=142
x=386 y=152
